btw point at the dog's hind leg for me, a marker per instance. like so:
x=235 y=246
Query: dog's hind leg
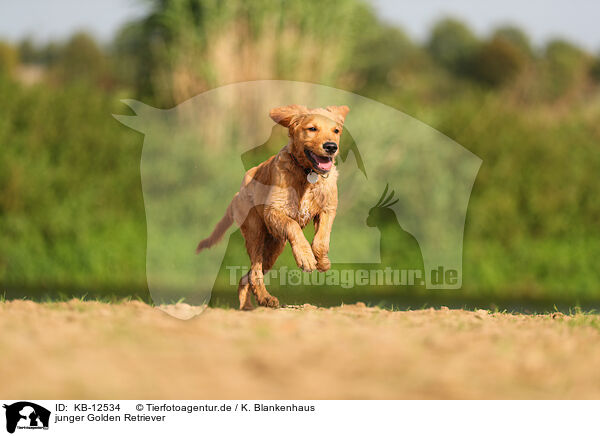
x=271 y=251
x=258 y=285
x=257 y=282
x=256 y=234
x=245 y=293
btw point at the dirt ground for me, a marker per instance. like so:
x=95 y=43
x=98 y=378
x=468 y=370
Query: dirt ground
x=90 y=350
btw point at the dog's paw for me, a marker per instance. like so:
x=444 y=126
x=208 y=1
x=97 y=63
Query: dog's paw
x=323 y=264
x=246 y=306
x=305 y=259
x=269 y=301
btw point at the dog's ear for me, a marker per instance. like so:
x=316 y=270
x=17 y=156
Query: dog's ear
x=340 y=112
x=285 y=115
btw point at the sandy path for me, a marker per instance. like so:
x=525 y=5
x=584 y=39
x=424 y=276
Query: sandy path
x=130 y=351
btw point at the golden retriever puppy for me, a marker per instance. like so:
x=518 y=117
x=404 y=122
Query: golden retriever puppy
x=279 y=197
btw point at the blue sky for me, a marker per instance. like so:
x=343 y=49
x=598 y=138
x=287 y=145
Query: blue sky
x=576 y=20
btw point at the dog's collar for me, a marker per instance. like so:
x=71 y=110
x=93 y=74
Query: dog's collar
x=307 y=171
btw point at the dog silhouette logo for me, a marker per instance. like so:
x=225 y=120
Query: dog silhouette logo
x=26 y=415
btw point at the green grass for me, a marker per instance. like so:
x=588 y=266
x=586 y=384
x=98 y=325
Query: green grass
x=72 y=217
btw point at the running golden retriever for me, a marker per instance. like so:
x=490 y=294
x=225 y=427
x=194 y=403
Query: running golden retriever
x=279 y=197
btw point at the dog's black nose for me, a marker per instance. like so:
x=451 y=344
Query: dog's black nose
x=330 y=147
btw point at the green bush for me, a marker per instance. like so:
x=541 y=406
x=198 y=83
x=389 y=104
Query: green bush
x=71 y=209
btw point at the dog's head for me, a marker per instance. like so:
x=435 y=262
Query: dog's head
x=315 y=133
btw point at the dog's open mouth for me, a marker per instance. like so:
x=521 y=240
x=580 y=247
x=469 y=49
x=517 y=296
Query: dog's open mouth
x=320 y=163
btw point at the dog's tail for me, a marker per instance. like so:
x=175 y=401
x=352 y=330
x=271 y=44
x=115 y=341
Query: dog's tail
x=219 y=230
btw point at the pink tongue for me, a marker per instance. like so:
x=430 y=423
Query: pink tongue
x=325 y=166
x=323 y=163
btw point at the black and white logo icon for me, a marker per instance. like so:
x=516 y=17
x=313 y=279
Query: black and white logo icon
x=26 y=415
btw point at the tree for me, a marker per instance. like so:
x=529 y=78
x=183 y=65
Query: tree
x=595 y=70
x=498 y=61
x=8 y=58
x=517 y=37
x=27 y=51
x=382 y=51
x=564 y=67
x=81 y=59
x=132 y=57
x=453 y=45
x=196 y=45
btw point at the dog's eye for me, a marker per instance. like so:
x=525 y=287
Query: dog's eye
x=336 y=131
x=312 y=129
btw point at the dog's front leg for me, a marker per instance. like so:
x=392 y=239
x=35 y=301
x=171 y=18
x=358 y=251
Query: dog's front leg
x=283 y=227
x=320 y=245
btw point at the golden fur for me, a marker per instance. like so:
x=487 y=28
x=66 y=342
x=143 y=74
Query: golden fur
x=276 y=201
